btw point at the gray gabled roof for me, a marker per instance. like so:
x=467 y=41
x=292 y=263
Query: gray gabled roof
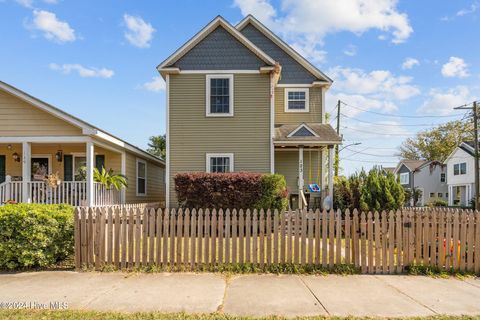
x=468 y=147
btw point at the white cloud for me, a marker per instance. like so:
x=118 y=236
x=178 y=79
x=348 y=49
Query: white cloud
x=409 y=63
x=84 y=72
x=25 y=3
x=455 y=67
x=383 y=129
x=319 y=18
x=53 y=29
x=442 y=101
x=377 y=83
x=139 y=33
x=360 y=101
x=473 y=7
x=156 y=85
x=350 y=50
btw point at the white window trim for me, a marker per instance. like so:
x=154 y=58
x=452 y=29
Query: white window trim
x=307 y=99
x=207 y=94
x=136 y=177
x=217 y=155
x=404 y=174
x=459 y=169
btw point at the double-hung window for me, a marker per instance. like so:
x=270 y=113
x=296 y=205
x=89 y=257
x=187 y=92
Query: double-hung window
x=404 y=178
x=141 y=177
x=459 y=168
x=443 y=177
x=219 y=162
x=296 y=100
x=219 y=95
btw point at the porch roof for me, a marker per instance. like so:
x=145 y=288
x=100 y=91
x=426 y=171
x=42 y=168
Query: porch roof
x=316 y=133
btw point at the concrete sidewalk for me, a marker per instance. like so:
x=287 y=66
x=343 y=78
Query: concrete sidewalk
x=254 y=295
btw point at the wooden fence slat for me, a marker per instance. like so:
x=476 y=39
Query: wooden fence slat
x=144 y=243
x=290 y=216
x=477 y=242
x=186 y=238
x=131 y=236
x=151 y=237
x=310 y=245
x=109 y=250
x=77 y=237
x=456 y=239
x=355 y=244
x=448 y=241
x=220 y=233
x=166 y=236
x=83 y=236
x=268 y=238
x=411 y=238
x=138 y=239
x=159 y=235
x=463 y=239
x=97 y=238
x=377 y=229
x=179 y=242
x=200 y=227
x=207 y=246
x=441 y=237
x=399 y=240
x=296 y=235
x=282 y=218
x=193 y=236
x=470 y=242
x=214 y=226
x=317 y=237
x=91 y=238
x=303 y=237
x=117 y=222
x=234 y=235
x=228 y=225
x=370 y=238
x=254 y=237
x=248 y=228
x=348 y=229
x=418 y=237
x=331 y=238
x=363 y=244
x=391 y=243
x=433 y=238
x=276 y=235
x=172 y=238
x=338 y=237
x=241 y=236
x=261 y=249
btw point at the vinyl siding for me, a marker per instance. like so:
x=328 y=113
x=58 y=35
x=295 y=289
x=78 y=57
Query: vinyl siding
x=314 y=114
x=192 y=135
x=155 y=181
x=286 y=163
x=18 y=118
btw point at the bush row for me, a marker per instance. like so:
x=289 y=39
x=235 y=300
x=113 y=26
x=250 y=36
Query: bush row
x=231 y=190
x=35 y=235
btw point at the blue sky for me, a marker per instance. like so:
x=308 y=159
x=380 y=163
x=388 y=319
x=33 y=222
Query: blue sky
x=97 y=59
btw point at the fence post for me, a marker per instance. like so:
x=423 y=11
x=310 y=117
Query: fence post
x=78 y=239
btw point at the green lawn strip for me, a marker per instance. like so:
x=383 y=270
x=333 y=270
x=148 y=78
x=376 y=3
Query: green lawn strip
x=24 y=314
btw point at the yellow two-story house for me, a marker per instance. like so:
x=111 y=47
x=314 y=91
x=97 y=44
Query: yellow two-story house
x=240 y=99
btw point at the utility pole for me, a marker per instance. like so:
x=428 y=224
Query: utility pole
x=476 y=155
x=337 y=150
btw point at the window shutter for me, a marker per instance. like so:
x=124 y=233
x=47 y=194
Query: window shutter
x=68 y=167
x=2 y=169
x=100 y=162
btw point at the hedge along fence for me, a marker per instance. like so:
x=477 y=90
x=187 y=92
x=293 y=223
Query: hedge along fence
x=231 y=190
x=35 y=235
x=372 y=242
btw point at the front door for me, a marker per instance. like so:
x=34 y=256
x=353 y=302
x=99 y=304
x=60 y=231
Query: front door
x=40 y=169
x=2 y=168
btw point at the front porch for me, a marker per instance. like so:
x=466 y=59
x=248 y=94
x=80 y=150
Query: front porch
x=61 y=171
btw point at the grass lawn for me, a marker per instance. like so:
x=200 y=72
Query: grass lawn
x=77 y=315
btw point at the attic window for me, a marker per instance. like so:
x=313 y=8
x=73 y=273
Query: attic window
x=303 y=132
x=296 y=100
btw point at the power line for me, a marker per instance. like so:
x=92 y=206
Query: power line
x=369 y=161
x=371 y=154
x=390 y=125
x=377 y=133
x=400 y=116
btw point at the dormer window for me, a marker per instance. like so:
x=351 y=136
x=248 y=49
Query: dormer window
x=296 y=100
x=219 y=95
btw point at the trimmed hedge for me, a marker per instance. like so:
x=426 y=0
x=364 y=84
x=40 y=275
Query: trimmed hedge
x=35 y=235
x=231 y=190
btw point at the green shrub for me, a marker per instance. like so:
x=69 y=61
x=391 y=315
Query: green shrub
x=238 y=190
x=35 y=235
x=438 y=203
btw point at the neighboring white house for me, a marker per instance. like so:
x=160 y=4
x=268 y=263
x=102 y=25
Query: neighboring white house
x=461 y=175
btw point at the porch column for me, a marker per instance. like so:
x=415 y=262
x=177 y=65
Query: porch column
x=468 y=192
x=90 y=154
x=300 y=177
x=26 y=170
x=330 y=171
x=123 y=172
x=450 y=195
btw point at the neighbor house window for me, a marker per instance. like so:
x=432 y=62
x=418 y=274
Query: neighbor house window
x=443 y=177
x=80 y=168
x=219 y=163
x=432 y=195
x=459 y=168
x=404 y=178
x=296 y=100
x=141 y=177
x=219 y=95
x=440 y=195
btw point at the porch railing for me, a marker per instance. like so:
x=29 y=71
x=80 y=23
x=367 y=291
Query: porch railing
x=70 y=192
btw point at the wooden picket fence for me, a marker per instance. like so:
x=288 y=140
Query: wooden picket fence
x=381 y=243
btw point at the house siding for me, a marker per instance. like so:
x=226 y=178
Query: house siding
x=404 y=169
x=315 y=108
x=155 y=181
x=458 y=157
x=192 y=135
x=19 y=118
x=219 y=51
x=292 y=71
x=286 y=163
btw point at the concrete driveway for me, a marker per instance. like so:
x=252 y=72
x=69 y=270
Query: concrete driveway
x=246 y=295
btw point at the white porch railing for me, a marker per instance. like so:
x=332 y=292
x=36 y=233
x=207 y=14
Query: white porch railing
x=70 y=192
